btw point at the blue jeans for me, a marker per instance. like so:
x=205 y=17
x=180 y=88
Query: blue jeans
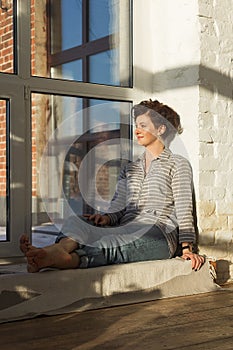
x=150 y=246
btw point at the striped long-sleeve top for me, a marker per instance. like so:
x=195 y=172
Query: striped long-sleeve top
x=162 y=196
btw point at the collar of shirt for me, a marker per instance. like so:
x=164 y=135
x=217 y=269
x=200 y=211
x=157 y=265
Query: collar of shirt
x=165 y=155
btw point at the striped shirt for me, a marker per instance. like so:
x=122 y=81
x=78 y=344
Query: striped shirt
x=162 y=197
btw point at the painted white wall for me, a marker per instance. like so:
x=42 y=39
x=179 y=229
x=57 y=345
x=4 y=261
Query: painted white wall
x=167 y=57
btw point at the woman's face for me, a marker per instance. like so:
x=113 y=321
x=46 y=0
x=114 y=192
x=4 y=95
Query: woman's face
x=145 y=131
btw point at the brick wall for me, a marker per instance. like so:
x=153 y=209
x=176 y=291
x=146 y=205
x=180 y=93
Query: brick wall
x=6 y=66
x=6 y=38
x=215 y=133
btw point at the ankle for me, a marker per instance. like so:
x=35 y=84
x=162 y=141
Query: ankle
x=75 y=260
x=68 y=244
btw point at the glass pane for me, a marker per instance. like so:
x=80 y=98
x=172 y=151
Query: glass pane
x=66 y=24
x=3 y=170
x=104 y=68
x=71 y=41
x=105 y=112
x=69 y=71
x=6 y=37
x=76 y=156
x=103 y=18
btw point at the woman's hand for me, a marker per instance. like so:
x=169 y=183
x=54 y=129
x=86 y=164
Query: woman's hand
x=197 y=260
x=98 y=219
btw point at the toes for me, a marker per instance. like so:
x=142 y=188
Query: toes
x=24 y=239
x=32 y=268
x=24 y=243
x=32 y=251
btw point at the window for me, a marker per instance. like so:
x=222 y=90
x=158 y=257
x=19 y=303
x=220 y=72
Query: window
x=65 y=100
x=84 y=41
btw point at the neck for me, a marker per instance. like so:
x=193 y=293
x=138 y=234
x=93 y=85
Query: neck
x=155 y=150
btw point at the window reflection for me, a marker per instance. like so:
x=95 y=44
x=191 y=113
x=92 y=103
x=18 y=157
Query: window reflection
x=103 y=68
x=70 y=134
x=103 y=18
x=69 y=71
x=66 y=24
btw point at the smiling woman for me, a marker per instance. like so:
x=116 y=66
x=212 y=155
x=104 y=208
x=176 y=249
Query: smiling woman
x=145 y=131
x=161 y=120
x=150 y=215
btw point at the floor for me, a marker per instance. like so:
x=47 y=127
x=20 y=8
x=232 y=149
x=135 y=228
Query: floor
x=183 y=323
x=192 y=322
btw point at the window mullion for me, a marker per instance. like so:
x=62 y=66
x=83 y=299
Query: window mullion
x=23 y=154
x=16 y=88
x=81 y=89
x=19 y=169
x=23 y=39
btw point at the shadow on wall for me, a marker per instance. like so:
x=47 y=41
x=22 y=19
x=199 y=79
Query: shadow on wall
x=183 y=77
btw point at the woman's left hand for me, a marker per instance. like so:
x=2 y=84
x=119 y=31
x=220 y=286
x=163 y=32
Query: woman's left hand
x=197 y=260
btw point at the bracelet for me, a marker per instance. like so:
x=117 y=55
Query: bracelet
x=186 y=247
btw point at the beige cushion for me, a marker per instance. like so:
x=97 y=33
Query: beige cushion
x=52 y=292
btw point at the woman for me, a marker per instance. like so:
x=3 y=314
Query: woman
x=150 y=215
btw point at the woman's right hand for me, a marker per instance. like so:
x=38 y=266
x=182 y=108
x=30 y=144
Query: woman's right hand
x=98 y=219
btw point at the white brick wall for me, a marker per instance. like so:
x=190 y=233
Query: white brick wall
x=215 y=200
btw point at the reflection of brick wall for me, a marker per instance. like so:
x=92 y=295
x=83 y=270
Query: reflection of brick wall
x=72 y=189
x=33 y=115
x=40 y=106
x=102 y=182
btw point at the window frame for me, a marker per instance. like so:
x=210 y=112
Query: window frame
x=18 y=88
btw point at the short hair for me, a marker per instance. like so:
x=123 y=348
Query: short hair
x=160 y=114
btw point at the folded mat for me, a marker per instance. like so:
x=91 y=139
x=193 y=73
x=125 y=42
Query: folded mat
x=50 y=292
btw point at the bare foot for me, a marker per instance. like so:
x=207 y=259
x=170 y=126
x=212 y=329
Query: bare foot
x=51 y=256
x=24 y=243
